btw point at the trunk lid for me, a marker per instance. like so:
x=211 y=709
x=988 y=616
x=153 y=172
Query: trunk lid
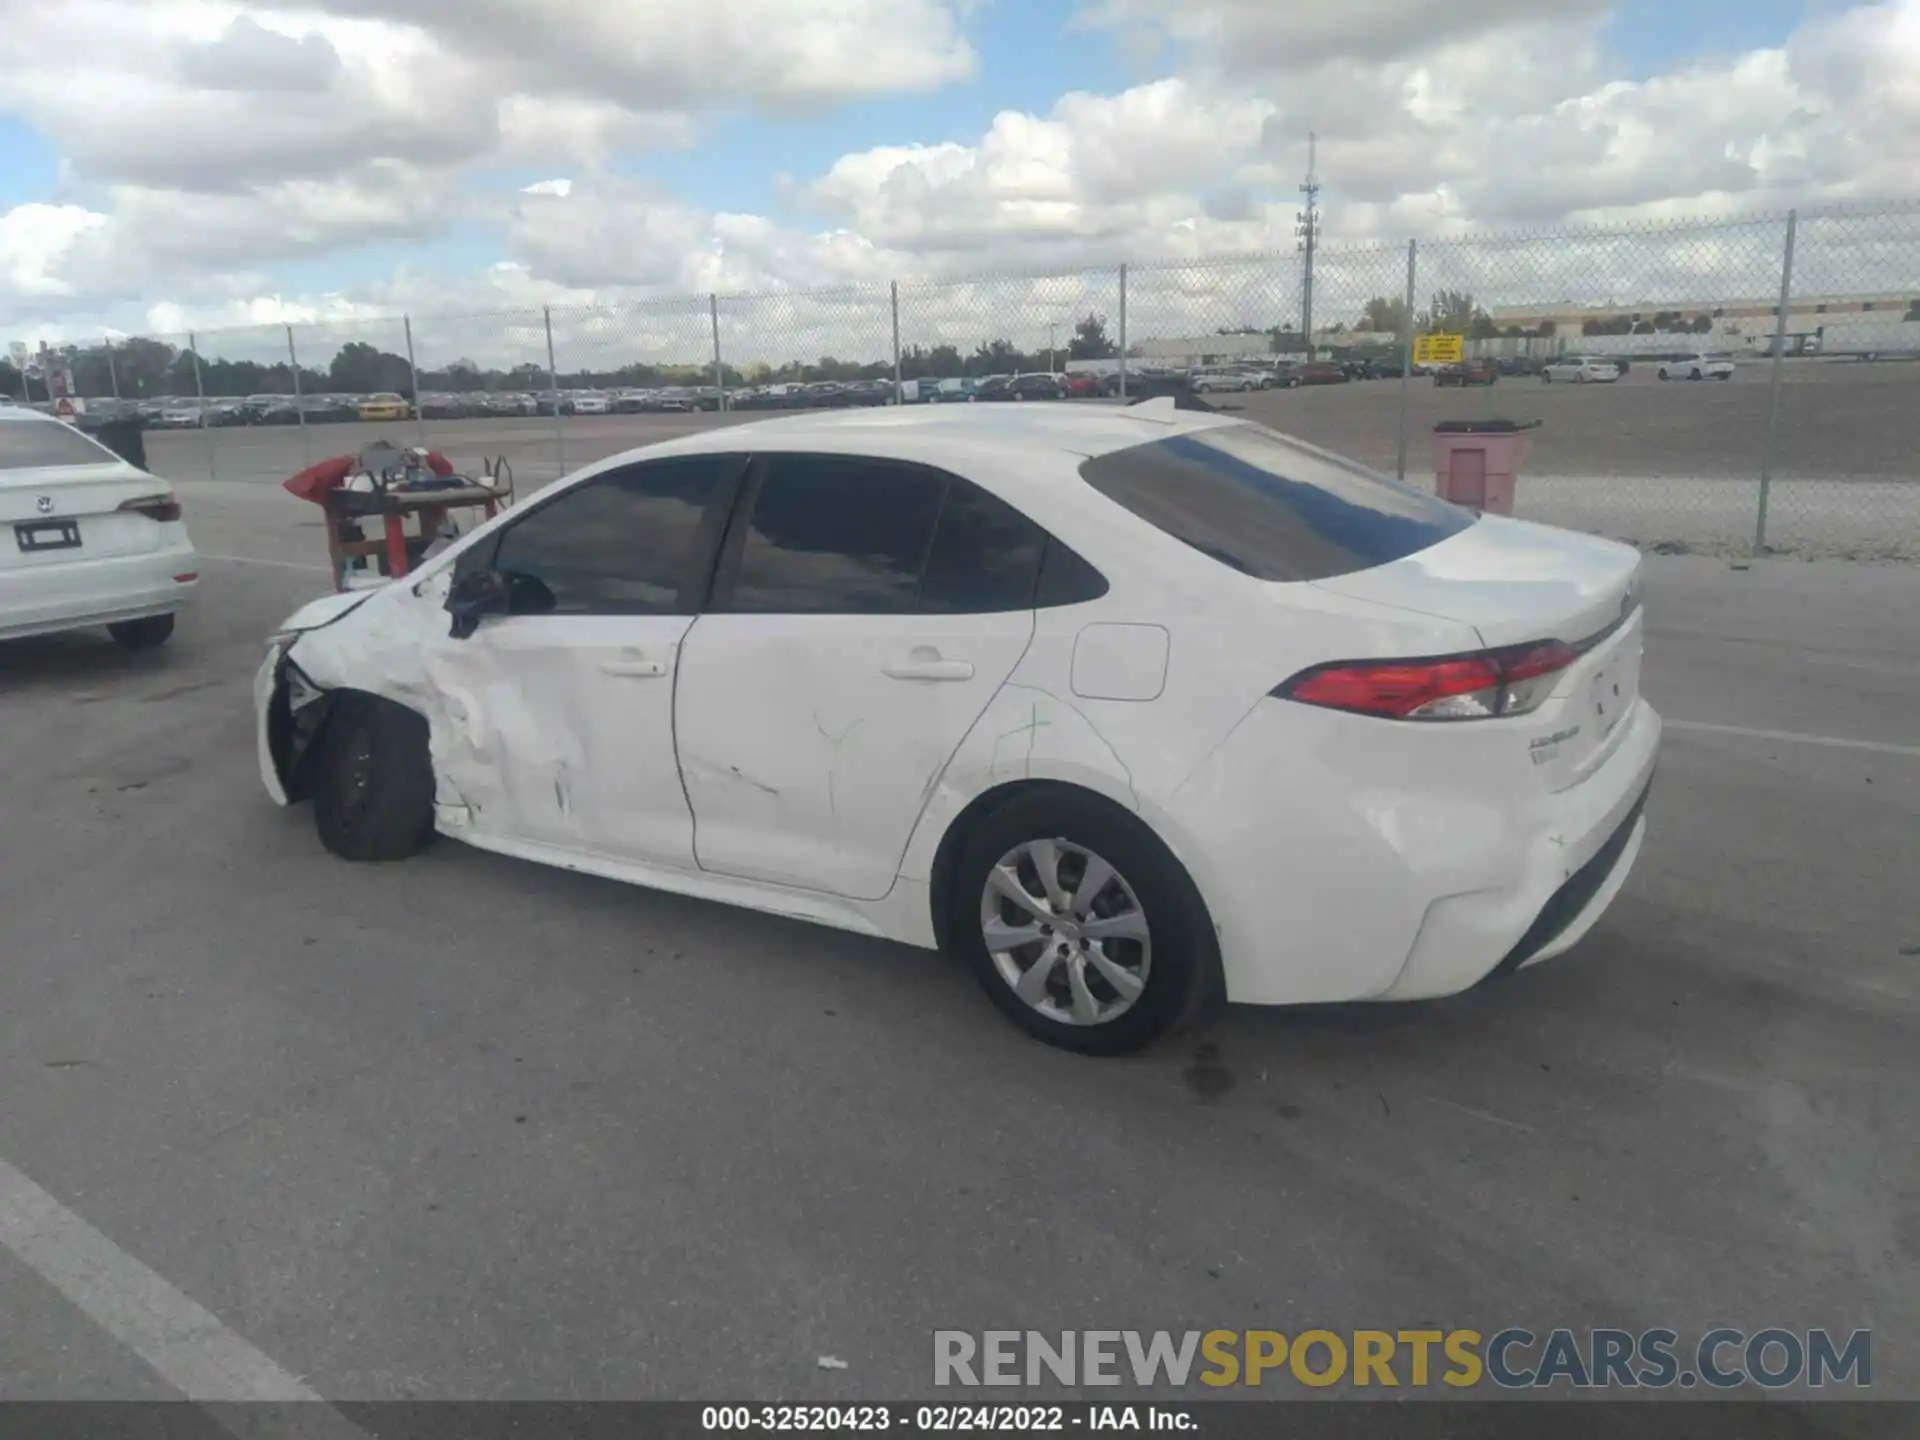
x=90 y=495
x=1512 y=581
x=1516 y=583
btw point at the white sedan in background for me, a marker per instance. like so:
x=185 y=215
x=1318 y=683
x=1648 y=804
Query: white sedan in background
x=1125 y=707
x=1698 y=367
x=1580 y=370
x=85 y=538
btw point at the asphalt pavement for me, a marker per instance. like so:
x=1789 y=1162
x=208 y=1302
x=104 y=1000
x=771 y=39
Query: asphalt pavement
x=464 y=1127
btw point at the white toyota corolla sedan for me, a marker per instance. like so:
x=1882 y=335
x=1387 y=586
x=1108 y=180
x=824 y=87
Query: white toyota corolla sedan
x=1123 y=705
x=93 y=540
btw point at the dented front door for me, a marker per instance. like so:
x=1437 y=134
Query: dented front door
x=561 y=734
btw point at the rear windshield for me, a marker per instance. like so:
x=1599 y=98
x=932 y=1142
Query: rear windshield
x=1271 y=507
x=28 y=444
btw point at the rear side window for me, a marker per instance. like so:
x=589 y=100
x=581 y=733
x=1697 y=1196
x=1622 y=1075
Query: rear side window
x=1270 y=507
x=856 y=535
x=31 y=444
x=985 y=556
x=627 y=543
x=836 y=535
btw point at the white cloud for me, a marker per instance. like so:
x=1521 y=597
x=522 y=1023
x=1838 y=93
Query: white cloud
x=191 y=95
x=1241 y=36
x=199 y=135
x=1435 y=119
x=249 y=57
x=691 y=56
x=1097 y=174
x=35 y=242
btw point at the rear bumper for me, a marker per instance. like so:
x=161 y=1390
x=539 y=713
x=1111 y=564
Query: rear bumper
x=1570 y=872
x=1415 y=874
x=46 y=599
x=1572 y=909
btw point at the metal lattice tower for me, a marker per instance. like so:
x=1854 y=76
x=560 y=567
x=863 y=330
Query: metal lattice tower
x=1307 y=229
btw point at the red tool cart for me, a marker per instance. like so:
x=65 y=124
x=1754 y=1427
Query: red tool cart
x=383 y=489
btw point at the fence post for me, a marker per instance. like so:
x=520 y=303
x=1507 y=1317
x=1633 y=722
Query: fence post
x=413 y=380
x=1773 y=384
x=553 y=383
x=1123 y=330
x=899 y=383
x=113 y=371
x=200 y=393
x=1406 y=351
x=299 y=401
x=719 y=371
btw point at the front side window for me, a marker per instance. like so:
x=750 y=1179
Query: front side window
x=1269 y=507
x=627 y=543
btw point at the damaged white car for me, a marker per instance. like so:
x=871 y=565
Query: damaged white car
x=1126 y=706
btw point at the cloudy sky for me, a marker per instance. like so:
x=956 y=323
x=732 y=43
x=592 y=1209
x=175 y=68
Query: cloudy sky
x=176 y=163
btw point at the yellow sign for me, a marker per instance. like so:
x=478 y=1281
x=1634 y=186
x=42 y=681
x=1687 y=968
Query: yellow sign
x=1439 y=349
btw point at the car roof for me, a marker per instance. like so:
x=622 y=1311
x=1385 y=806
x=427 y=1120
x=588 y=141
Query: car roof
x=941 y=435
x=12 y=410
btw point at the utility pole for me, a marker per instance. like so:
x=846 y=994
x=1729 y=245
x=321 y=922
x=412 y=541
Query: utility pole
x=1307 y=228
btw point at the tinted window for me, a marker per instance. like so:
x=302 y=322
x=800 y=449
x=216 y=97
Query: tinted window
x=985 y=556
x=1066 y=579
x=836 y=535
x=624 y=544
x=1270 y=507
x=27 y=444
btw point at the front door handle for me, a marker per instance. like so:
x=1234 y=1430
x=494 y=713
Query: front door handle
x=635 y=669
x=928 y=670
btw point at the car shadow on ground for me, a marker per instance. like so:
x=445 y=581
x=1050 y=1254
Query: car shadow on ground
x=52 y=661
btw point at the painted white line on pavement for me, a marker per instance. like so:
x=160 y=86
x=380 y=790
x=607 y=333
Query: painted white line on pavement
x=1787 y=737
x=184 y=1344
x=256 y=560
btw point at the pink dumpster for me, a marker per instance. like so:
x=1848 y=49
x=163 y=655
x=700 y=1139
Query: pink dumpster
x=1475 y=462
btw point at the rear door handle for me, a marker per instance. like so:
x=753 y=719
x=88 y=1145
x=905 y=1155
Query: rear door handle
x=928 y=670
x=635 y=669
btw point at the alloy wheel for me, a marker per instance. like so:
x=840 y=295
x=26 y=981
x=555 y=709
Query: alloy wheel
x=1066 y=932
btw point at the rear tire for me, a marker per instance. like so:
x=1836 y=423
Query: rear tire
x=147 y=633
x=1175 y=966
x=373 y=787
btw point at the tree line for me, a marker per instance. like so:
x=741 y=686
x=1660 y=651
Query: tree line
x=140 y=368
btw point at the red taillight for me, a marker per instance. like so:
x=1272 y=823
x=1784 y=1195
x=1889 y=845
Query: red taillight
x=1481 y=686
x=155 y=507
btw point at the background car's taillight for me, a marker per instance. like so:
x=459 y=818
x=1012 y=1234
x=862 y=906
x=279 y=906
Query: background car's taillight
x=155 y=507
x=1481 y=686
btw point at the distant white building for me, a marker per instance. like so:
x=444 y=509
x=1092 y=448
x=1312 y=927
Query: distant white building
x=1189 y=351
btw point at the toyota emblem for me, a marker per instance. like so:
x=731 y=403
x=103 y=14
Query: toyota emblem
x=44 y=504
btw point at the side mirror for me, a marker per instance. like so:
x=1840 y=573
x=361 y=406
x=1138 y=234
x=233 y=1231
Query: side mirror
x=475 y=595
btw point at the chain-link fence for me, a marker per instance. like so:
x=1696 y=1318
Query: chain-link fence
x=1742 y=386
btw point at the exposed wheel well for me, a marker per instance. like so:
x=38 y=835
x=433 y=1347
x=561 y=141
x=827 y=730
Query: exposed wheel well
x=297 y=741
x=946 y=857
